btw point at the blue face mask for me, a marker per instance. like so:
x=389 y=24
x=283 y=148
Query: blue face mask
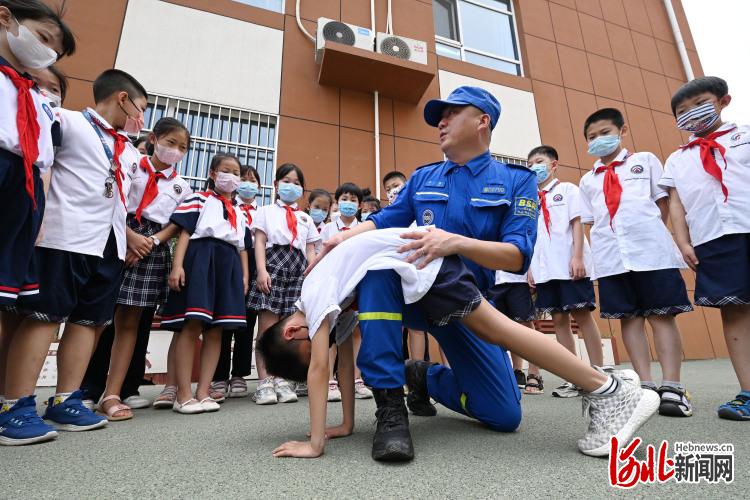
x=318 y=215
x=247 y=189
x=364 y=216
x=542 y=174
x=348 y=208
x=604 y=145
x=289 y=193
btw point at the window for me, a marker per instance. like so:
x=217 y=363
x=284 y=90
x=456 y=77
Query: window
x=481 y=32
x=220 y=129
x=274 y=5
x=511 y=160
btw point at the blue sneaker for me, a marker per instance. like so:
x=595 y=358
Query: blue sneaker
x=737 y=409
x=22 y=425
x=72 y=415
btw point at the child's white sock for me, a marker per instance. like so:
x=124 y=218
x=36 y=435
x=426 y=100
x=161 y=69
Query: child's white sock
x=674 y=385
x=60 y=397
x=7 y=404
x=609 y=387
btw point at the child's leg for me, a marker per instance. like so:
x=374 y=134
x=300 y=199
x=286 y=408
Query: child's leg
x=736 y=322
x=209 y=357
x=265 y=320
x=221 y=374
x=417 y=344
x=183 y=358
x=137 y=368
x=73 y=356
x=668 y=346
x=332 y=352
x=26 y=354
x=563 y=332
x=127 y=319
x=172 y=362
x=9 y=322
x=356 y=343
x=636 y=343
x=591 y=335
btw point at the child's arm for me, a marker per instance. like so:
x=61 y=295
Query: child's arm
x=346 y=383
x=317 y=386
x=310 y=251
x=681 y=231
x=663 y=204
x=263 y=279
x=168 y=232
x=245 y=270
x=137 y=243
x=177 y=276
x=577 y=267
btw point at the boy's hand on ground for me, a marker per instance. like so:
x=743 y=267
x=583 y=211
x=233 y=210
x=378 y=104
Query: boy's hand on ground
x=429 y=245
x=688 y=253
x=297 y=449
x=577 y=268
x=264 y=281
x=177 y=279
x=337 y=431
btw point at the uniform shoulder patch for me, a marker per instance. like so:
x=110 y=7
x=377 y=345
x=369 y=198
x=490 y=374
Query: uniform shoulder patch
x=525 y=207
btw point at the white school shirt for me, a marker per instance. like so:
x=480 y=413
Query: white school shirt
x=503 y=277
x=45 y=116
x=336 y=277
x=554 y=250
x=335 y=227
x=78 y=217
x=708 y=216
x=271 y=219
x=202 y=215
x=638 y=240
x=172 y=191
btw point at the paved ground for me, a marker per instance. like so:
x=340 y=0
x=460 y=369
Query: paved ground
x=161 y=454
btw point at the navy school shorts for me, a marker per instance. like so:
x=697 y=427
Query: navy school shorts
x=643 y=293
x=565 y=295
x=513 y=299
x=723 y=272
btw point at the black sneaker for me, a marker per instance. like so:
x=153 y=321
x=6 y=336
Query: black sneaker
x=418 y=399
x=674 y=402
x=520 y=379
x=392 y=440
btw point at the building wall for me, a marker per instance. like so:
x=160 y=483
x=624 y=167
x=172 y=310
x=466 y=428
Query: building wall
x=578 y=55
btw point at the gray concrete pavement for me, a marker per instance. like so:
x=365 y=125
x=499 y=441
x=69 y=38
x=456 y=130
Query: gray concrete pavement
x=160 y=454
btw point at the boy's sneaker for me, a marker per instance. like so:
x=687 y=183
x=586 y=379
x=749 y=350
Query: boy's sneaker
x=737 y=409
x=237 y=387
x=265 y=394
x=334 y=394
x=567 y=390
x=520 y=379
x=301 y=389
x=135 y=402
x=71 y=415
x=20 y=424
x=617 y=415
x=418 y=399
x=360 y=390
x=284 y=391
x=674 y=402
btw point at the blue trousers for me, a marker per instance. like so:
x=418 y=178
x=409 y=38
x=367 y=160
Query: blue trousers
x=480 y=382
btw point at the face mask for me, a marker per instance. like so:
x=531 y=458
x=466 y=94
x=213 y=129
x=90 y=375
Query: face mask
x=699 y=119
x=335 y=215
x=248 y=189
x=365 y=215
x=29 y=50
x=393 y=193
x=54 y=100
x=170 y=156
x=542 y=174
x=289 y=193
x=318 y=215
x=133 y=126
x=604 y=145
x=348 y=208
x=226 y=182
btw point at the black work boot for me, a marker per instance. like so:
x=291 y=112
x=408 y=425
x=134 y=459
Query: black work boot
x=418 y=399
x=392 y=440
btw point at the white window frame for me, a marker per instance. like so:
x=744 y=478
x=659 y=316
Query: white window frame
x=511 y=160
x=458 y=44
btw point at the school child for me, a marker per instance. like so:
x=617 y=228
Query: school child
x=442 y=292
x=209 y=280
x=52 y=83
x=370 y=205
x=511 y=295
x=285 y=240
x=319 y=207
x=141 y=144
x=562 y=258
x=155 y=192
x=635 y=259
x=393 y=183
x=708 y=181
x=242 y=354
x=29 y=130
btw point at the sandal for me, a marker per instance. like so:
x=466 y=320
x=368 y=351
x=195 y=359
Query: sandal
x=237 y=388
x=218 y=390
x=112 y=412
x=520 y=378
x=166 y=398
x=534 y=384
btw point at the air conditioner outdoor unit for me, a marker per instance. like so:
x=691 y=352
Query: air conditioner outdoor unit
x=330 y=31
x=401 y=48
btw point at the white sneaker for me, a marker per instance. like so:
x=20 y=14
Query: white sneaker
x=301 y=389
x=210 y=405
x=189 y=407
x=567 y=390
x=136 y=402
x=334 y=394
x=284 y=391
x=360 y=390
x=265 y=394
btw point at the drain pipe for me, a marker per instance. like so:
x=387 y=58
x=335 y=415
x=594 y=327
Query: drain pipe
x=301 y=27
x=680 y=41
x=376 y=101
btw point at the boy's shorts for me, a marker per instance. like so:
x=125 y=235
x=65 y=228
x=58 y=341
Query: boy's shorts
x=723 y=272
x=565 y=295
x=513 y=299
x=454 y=293
x=643 y=293
x=76 y=288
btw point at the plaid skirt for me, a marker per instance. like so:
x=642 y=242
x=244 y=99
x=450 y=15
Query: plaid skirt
x=286 y=266
x=145 y=284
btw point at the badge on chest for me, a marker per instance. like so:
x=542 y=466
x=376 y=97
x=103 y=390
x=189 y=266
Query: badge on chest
x=428 y=217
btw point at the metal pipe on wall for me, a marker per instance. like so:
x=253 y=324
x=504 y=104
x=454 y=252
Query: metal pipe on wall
x=299 y=23
x=376 y=104
x=679 y=40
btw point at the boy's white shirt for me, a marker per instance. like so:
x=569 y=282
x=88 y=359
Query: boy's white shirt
x=335 y=227
x=708 y=216
x=335 y=278
x=637 y=240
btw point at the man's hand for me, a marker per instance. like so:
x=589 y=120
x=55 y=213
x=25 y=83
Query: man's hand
x=337 y=431
x=264 y=281
x=688 y=253
x=577 y=268
x=429 y=245
x=177 y=279
x=139 y=244
x=328 y=245
x=297 y=449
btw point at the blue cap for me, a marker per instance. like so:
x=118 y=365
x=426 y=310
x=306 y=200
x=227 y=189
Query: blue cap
x=463 y=96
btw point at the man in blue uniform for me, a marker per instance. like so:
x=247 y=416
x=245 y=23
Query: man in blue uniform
x=485 y=212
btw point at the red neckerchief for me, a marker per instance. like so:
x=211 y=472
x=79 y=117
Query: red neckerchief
x=120 y=141
x=247 y=208
x=612 y=186
x=152 y=189
x=707 y=145
x=27 y=124
x=291 y=219
x=229 y=213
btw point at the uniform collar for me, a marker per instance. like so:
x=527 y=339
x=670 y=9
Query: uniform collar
x=475 y=165
x=552 y=185
x=620 y=157
x=253 y=204
x=4 y=62
x=726 y=126
x=284 y=205
x=168 y=172
x=234 y=198
x=340 y=224
x=104 y=122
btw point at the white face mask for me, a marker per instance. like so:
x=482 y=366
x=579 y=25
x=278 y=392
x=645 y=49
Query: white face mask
x=29 y=50
x=54 y=99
